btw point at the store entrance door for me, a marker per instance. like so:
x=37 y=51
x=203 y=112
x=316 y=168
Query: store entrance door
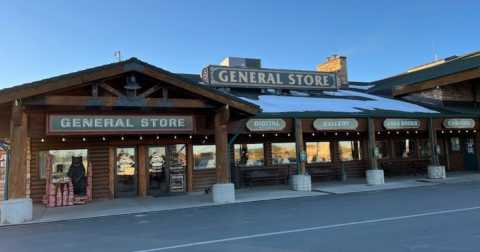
x=470 y=154
x=165 y=173
x=126 y=183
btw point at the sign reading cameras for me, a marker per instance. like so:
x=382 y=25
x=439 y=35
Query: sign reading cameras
x=221 y=76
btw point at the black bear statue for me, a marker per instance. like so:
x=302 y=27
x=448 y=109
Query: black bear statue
x=77 y=175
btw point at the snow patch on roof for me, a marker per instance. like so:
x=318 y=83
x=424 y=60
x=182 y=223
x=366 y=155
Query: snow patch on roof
x=360 y=87
x=279 y=104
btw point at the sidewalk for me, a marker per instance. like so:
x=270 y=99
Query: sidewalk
x=138 y=205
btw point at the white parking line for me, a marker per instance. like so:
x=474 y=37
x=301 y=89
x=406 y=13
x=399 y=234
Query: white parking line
x=307 y=229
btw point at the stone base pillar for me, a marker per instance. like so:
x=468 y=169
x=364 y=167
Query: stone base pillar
x=375 y=177
x=16 y=211
x=223 y=193
x=302 y=183
x=436 y=172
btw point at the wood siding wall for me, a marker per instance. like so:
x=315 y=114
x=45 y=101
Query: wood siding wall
x=97 y=154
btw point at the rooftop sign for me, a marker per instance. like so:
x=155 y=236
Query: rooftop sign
x=266 y=124
x=118 y=124
x=221 y=76
x=459 y=123
x=335 y=124
x=401 y=123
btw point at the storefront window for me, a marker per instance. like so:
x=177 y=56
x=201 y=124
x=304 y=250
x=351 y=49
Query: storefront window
x=383 y=149
x=424 y=147
x=62 y=159
x=284 y=153
x=178 y=155
x=455 y=143
x=349 y=150
x=204 y=157
x=405 y=148
x=318 y=152
x=249 y=154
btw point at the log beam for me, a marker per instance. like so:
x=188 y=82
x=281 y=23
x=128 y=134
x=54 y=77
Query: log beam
x=221 y=147
x=17 y=177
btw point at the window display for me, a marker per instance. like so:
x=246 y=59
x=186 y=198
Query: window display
x=318 y=152
x=62 y=160
x=349 y=150
x=249 y=154
x=204 y=157
x=284 y=153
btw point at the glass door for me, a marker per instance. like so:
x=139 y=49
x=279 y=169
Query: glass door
x=166 y=169
x=470 y=154
x=126 y=172
x=158 y=170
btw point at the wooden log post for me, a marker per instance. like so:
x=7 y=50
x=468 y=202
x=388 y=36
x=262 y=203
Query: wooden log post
x=374 y=162
x=142 y=172
x=222 y=117
x=301 y=146
x=432 y=134
x=190 y=162
x=17 y=178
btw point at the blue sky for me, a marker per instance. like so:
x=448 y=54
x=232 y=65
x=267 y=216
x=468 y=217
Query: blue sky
x=43 y=39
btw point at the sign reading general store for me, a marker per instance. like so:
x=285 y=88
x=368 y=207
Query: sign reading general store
x=459 y=123
x=221 y=76
x=335 y=124
x=108 y=124
x=266 y=124
x=401 y=123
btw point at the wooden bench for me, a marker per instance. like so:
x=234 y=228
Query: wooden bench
x=323 y=171
x=399 y=167
x=421 y=165
x=265 y=175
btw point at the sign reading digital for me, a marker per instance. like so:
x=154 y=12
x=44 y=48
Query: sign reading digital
x=459 y=123
x=221 y=76
x=401 y=123
x=64 y=124
x=266 y=124
x=335 y=124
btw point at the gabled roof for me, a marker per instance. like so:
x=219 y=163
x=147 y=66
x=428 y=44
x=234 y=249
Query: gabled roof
x=450 y=66
x=132 y=64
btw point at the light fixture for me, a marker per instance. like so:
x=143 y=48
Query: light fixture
x=84 y=139
x=132 y=83
x=324 y=133
x=175 y=136
x=43 y=140
x=459 y=131
x=398 y=132
x=103 y=138
x=263 y=135
x=288 y=134
x=158 y=137
x=276 y=134
x=206 y=137
x=63 y=139
x=416 y=132
x=335 y=133
x=313 y=134
x=141 y=137
x=378 y=133
x=249 y=135
x=122 y=138
x=347 y=133
x=443 y=131
x=451 y=131
x=358 y=133
x=408 y=132
x=190 y=136
x=474 y=131
x=466 y=131
x=389 y=132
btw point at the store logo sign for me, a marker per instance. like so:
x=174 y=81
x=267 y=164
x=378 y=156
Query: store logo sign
x=266 y=124
x=115 y=124
x=401 y=123
x=335 y=124
x=459 y=123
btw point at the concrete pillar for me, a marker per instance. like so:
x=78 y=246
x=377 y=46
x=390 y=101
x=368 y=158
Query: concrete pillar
x=302 y=183
x=436 y=172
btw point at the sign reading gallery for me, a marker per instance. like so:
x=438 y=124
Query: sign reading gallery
x=221 y=76
x=335 y=124
x=85 y=124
